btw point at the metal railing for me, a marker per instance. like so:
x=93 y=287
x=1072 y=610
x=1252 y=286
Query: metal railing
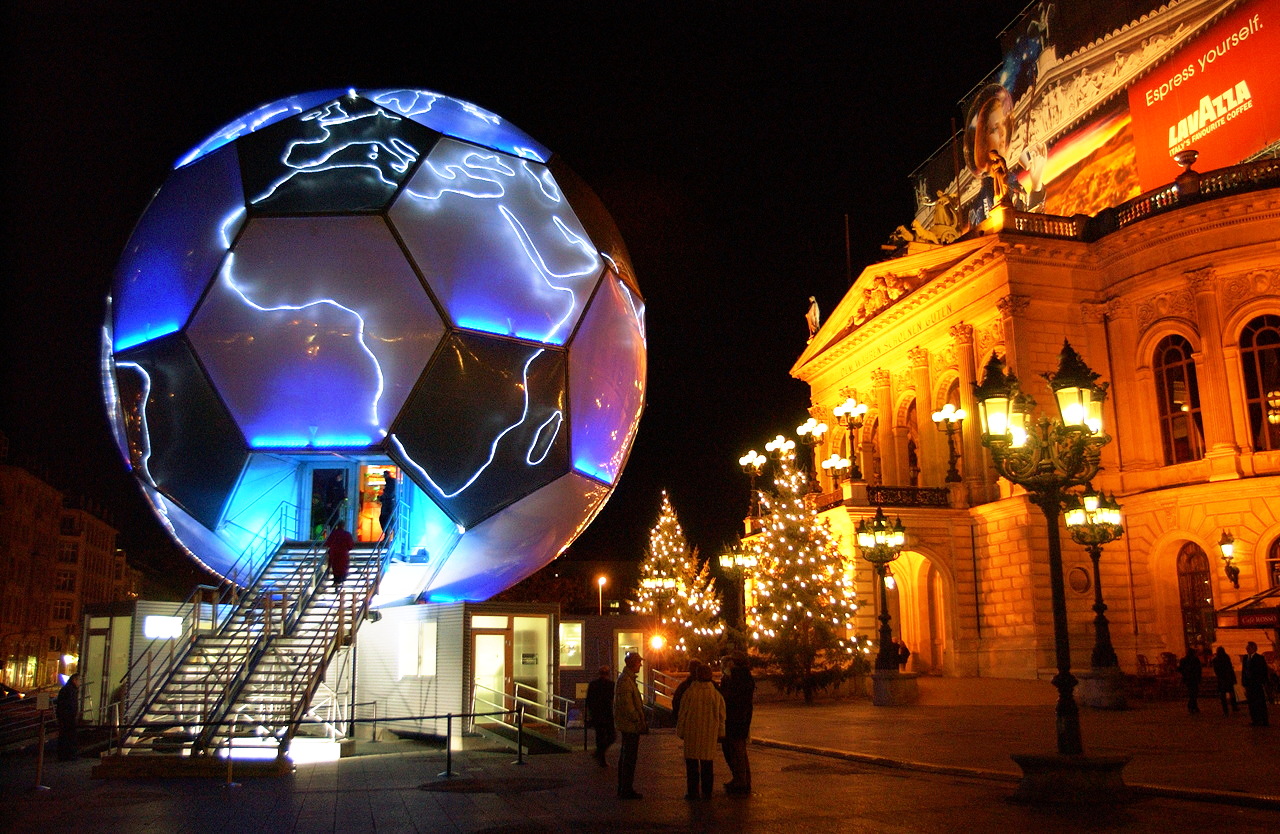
x=549 y=713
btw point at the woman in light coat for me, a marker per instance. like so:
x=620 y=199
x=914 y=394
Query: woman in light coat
x=701 y=726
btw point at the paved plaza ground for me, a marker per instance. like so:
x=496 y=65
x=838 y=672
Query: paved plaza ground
x=939 y=766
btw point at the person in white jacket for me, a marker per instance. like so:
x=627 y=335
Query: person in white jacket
x=701 y=726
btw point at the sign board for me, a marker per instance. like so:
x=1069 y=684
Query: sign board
x=580 y=690
x=528 y=659
x=1266 y=618
x=1219 y=95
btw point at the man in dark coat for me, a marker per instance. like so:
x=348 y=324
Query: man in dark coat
x=1191 y=671
x=1254 y=679
x=1226 y=675
x=67 y=710
x=600 y=713
x=682 y=688
x=738 y=688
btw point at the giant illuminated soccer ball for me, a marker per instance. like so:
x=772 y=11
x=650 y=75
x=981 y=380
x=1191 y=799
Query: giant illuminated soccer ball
x=342 y=284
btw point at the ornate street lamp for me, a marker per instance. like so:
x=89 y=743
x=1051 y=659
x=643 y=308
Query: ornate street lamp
x=851 y=414
x=753 y=463
x=836 y=466
x=880 y=543
x=1046 y=458
x=1227 y=544
x=811 y=432
x=780 y=447
x=1093 y=520
x=946 y=419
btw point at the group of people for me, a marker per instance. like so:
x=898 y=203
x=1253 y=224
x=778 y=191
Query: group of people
x=1253 y=676
x=708 y=716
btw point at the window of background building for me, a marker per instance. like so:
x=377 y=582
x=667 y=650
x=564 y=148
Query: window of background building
x=570 y=645
x=61 y=610
x=69 y=552
x=1195 y=592
x=1260 y=359
x=1178 y=399
x=65 y=580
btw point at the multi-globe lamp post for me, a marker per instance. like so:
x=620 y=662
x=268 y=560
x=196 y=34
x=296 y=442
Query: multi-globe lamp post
x=1093 y=520
x=752 y=464
x=947 y=419
x=811 y=432
x=851 y=415
x=881 y=542
x=1046 y=458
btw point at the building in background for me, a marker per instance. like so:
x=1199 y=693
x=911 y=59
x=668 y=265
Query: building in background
x=1170 y=291
x=54 y=559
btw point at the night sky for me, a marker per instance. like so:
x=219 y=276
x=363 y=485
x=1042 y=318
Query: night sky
x=728 y=144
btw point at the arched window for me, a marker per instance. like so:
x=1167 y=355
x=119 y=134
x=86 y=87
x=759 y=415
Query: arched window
x=1178 y=400
x=1195 y=593
x=1273 y=563
x=1260 y=359
x=913 y=446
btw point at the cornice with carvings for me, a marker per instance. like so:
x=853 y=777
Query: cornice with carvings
x=1176 y=304
x=1161 y=231
x=1246 y=286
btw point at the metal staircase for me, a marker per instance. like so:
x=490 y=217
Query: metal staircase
x=254 y=674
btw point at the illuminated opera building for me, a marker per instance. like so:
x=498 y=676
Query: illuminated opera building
x=1071 y=208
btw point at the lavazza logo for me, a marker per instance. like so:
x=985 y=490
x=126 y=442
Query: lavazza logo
x=1213 y=113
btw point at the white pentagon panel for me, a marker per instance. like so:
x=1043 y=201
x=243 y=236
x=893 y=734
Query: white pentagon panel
x=462 y=120
x=497 y=242
x=519 y=540
x=315 y=331
x=607 y=368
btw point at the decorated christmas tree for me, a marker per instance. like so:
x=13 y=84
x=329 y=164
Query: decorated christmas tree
x=678 y=590
x=801 y=617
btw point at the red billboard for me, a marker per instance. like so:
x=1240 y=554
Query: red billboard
x=1219 y=94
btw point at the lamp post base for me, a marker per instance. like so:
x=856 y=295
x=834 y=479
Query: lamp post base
x=891 y=688
x=1055 y=779
x=1102 y=688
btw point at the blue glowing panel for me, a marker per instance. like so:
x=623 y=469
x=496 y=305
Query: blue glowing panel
x=606 y=381
x=497 y=242
x=428 y=533
x=518 y=541
x=257 y=119
x=346 y=155
x=486 y=426
x=181 y=439
x=175 y=249
x=462 y=120
x=596 y=220
x=315 y=331
x=268 y=481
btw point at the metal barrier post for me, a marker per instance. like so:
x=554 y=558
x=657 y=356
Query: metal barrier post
x=40 y=750
x=230 y=739
x=519 y=734
x=448 y=747
x=375 y=721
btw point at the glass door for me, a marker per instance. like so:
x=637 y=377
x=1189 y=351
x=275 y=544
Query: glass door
x=330 y=487
x=491 y=672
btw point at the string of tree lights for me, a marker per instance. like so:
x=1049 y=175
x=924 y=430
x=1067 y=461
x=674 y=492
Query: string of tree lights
x=675 y=588
x=804 y=603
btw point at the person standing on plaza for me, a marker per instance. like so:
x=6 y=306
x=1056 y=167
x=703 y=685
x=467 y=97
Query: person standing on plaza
x=683 y=687
x=1225 y=672
x=701 y=726
x=67 y=711
x=628 y=717
x=738 y=688
x=1191 y=671
x=1253 y=676
x=600 y=713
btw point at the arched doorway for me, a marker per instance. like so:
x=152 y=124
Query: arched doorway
x=1195 y=597
x=920 y=604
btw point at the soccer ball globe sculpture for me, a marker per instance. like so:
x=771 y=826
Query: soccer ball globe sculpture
x=347 y=296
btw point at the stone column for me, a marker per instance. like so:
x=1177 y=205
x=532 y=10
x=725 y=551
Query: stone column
x=1221 y=448
x=1136 y=429
x=932 y=451
x=892 y=459
x=973 y=461
x=1012 y=307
